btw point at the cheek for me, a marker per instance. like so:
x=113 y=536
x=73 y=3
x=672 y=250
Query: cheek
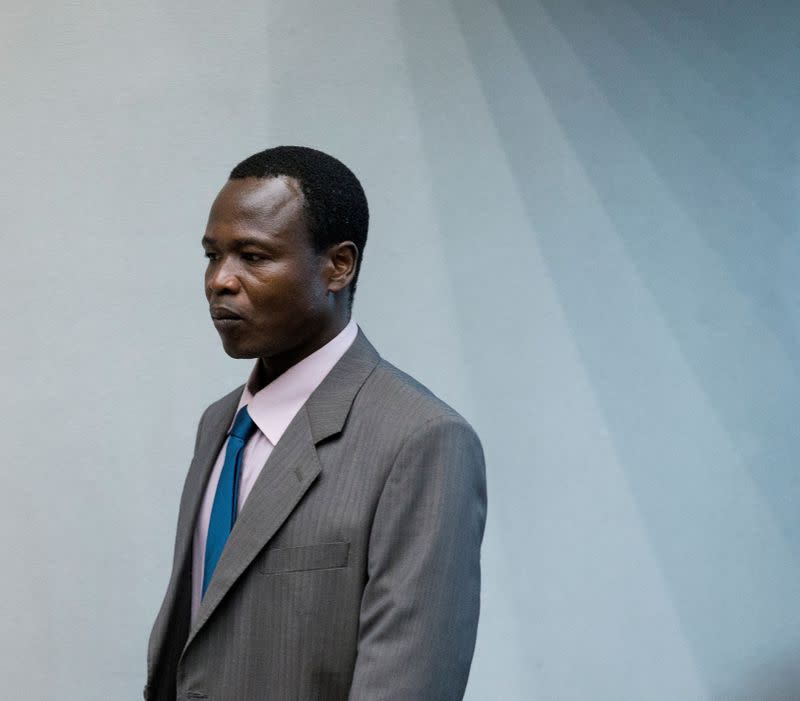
x=292 y=291
x=314 y=293
x=306 y=287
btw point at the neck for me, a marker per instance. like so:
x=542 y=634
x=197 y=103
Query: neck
x=276 y=365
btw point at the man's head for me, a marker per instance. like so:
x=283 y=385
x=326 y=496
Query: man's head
x=334 y=203
x=285 y=239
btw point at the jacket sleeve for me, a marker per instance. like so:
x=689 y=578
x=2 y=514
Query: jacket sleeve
x=419 y=612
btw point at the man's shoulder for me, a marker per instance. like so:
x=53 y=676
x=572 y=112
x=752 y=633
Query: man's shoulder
x=390 y=395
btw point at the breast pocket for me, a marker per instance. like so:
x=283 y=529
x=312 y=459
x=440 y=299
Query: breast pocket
x=320 y=556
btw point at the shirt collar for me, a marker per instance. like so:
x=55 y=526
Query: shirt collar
x=273 y=407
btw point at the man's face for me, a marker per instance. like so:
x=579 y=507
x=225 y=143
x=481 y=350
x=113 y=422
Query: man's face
x=266 y=287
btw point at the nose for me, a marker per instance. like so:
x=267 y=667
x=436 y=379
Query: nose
x=221 y=277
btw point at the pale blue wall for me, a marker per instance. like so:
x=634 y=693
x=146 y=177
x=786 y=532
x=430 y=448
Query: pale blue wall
x=584 y=236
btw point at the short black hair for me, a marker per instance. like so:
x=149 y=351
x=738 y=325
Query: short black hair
x=335 y=204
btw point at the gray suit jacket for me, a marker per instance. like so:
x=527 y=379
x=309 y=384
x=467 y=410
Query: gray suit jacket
x=353 y=569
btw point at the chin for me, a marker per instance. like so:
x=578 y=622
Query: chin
x=237 y=351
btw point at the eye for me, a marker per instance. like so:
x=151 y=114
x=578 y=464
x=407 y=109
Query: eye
x=253 y=257
x=210 y=255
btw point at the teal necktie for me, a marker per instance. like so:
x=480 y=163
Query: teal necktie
x=223 y=512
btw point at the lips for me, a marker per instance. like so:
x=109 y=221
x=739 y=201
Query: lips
x=225 y=314
x=226 y=320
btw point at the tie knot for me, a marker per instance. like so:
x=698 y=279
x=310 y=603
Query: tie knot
x=243 y=425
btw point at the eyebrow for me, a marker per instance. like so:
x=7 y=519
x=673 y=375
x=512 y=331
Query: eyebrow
x=240 y=243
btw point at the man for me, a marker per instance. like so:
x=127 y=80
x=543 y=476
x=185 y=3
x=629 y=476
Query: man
x=329 y=530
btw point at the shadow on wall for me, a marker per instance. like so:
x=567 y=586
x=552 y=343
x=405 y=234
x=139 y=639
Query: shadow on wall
x=711 y=244
x=658 y=175
x=676 y=116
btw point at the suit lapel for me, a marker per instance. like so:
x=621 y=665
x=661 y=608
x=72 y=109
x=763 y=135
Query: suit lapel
x=213 y=431
x=290 y=470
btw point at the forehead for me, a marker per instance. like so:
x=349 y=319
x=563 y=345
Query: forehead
x=267 y=205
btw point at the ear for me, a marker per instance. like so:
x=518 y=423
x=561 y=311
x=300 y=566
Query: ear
x=341 y=265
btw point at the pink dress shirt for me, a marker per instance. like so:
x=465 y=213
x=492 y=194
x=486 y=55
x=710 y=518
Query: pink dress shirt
x=272 y=410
